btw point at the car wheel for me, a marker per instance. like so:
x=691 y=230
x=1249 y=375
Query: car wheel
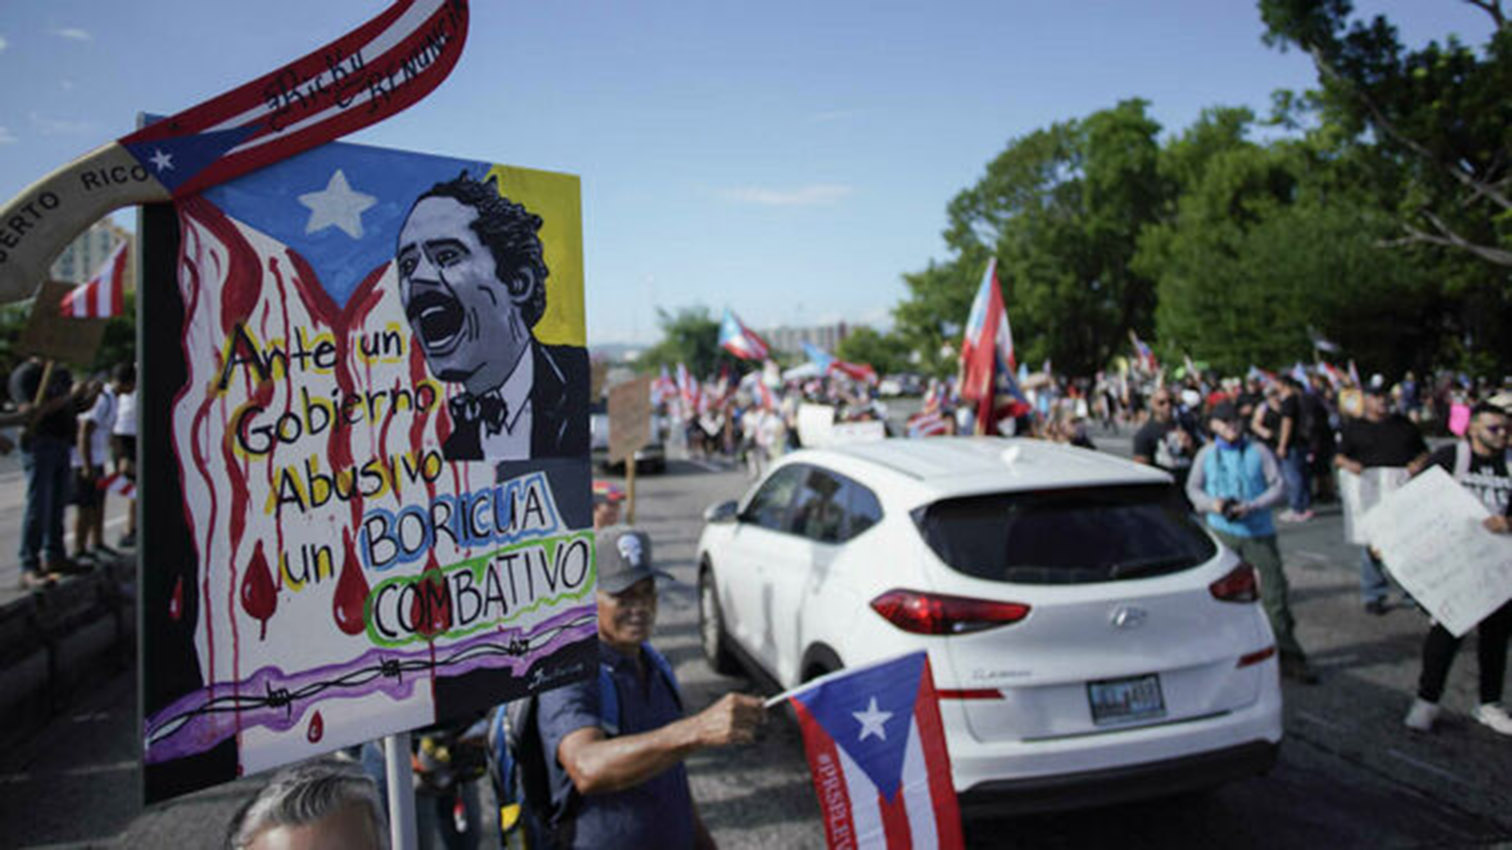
x=711 y=630
x=820 y=661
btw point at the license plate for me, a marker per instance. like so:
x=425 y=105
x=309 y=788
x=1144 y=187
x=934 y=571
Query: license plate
x=1126 y=700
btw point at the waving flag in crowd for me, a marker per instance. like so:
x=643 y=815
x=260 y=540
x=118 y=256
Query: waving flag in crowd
x=740 y=340
x=663 y=388
x=105 y=293
x=764 y=397
x=1144 y=354
x=829 y=364
x=876 y=752
x=987 y=361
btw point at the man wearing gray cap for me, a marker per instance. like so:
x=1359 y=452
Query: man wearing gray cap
x=616 y=772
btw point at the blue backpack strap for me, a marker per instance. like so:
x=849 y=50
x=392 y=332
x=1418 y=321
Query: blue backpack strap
x=609 y=704
x=660 y=663
x=609 y=713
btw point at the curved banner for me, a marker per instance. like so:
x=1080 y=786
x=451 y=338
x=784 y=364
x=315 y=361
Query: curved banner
x=368 y=500
x=364 y=77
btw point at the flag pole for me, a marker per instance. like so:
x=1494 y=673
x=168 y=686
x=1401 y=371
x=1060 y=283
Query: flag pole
x=816 y=682
x=403 y=834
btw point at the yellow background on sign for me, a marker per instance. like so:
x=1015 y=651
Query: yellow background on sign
x=557 y=199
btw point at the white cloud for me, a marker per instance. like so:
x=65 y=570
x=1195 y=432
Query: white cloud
x=803 y=196
x=6 y=136
x=60 y=126
x=66 y=84
x=3 y=44
x=73 y=34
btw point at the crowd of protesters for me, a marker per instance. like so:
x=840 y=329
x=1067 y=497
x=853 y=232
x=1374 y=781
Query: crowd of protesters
x=76 y=438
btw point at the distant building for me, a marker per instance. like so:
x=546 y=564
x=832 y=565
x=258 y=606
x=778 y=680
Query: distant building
x=791 y=340
x=83 y=256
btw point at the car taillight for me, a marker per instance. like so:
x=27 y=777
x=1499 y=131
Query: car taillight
x=1254 y=658
x=1241 y=584
x=936 y=614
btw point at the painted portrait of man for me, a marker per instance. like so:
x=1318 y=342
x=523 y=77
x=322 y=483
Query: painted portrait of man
x=472 y=279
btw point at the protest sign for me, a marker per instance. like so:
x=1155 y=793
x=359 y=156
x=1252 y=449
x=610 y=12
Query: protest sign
x=1430 y=536
x=814 y=424
x=1360 y=493
x=629 y=418
x=365 y=456
x=54 y=336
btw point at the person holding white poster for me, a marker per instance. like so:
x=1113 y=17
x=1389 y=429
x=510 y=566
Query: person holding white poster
x=1479 y=464
x=1379 y=439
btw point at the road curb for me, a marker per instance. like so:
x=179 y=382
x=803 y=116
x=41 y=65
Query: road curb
x=55 y=643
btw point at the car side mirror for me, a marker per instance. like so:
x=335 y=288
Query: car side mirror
x=722 y=512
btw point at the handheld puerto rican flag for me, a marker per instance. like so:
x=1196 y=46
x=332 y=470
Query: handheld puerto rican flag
x=118 y=484
x=830 y=364
x=987 y=359
x=1143 y=353
x=105 y=293
x=740 y=340
x=876 y=751
x=764 y=398
x=663 y=387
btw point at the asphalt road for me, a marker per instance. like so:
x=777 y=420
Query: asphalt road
x=1349 y=774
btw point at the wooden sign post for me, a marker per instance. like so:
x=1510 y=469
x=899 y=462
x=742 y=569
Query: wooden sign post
x=629 y=430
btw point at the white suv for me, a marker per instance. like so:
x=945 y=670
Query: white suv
x=1090 y=641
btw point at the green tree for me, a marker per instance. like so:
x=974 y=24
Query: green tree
x=1062 y=209
x=1441 y=111
x=885 y=353
x=1269 y=241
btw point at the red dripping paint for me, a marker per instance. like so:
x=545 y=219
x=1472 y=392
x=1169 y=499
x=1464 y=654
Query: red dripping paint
x=258 y=596
x=431 y=609
x=316 y=730
x=348 y=604
x=176 y=603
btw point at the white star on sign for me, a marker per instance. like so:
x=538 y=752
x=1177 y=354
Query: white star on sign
x=162 y=161
x=872 y=720
x=337 y=205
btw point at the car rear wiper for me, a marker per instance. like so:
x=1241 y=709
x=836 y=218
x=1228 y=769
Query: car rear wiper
x=1146 y=566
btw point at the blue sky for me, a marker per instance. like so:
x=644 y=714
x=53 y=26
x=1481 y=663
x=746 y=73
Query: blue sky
x=789 y=160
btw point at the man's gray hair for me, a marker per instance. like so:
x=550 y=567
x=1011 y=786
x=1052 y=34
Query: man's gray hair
x=307 y=793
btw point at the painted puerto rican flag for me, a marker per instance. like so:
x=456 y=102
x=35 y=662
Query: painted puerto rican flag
x=105 y=293
x=876 y=752
x=740 y=340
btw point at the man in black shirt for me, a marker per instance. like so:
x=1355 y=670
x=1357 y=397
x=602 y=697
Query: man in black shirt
x=1479 y=464
x=1379 y=439
x=45 y=443
x=1278 y=422
x=1163 y=442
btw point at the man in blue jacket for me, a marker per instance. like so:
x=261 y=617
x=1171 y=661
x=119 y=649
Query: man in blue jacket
x=1235 y=482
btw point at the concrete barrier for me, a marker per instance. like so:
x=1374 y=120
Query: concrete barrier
x=54 y=643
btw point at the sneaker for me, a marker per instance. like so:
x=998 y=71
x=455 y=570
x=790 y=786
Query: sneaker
x=1304 y=516
x=68 y=567
x=35 y=580
x=1287 y=516
x=1493 y=715
x=1378 y=607
x=1422 y=714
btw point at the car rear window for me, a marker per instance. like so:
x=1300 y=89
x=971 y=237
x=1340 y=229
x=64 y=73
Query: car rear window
x=1069 y=536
